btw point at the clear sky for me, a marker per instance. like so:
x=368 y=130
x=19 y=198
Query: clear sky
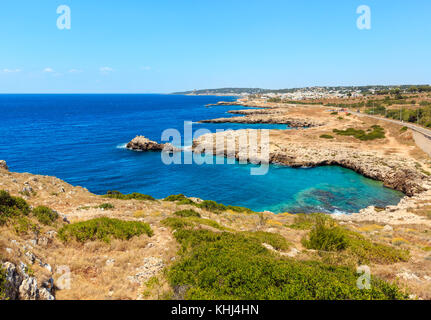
x=172 y=45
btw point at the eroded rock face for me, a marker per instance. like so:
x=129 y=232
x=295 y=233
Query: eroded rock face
x=3 y=165
x=13 y=280
x=141 y=143
x=20 y=286
x=28 y=289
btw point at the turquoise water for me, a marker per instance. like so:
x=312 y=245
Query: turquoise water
x=81 y=138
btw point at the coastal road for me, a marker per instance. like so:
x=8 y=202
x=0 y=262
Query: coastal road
x=423 y=140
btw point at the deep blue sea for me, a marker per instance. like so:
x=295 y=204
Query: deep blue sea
x=81 y=138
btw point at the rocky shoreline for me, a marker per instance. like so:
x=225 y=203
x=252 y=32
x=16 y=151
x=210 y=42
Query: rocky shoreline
x=258 y=118
x=395 y=172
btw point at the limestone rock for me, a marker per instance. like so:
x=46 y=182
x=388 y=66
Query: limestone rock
x=13 y=280
x=28 y=289
x=44 y=294
x=110 y=262
x=150 y=268
x=141 y=143
x=20 y=286
x=387 y=228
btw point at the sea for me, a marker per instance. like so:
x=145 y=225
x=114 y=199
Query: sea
x=81 y=139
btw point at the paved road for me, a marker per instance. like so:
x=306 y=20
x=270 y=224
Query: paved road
x=425 y=132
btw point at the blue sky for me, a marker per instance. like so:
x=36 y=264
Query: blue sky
x=163 y=46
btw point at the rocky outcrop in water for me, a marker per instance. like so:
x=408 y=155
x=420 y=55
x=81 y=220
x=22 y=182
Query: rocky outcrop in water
x=141 y=143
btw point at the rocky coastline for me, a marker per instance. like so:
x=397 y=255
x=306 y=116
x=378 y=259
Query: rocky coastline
x=265 y=114
x=395 y=172
x=261 y=118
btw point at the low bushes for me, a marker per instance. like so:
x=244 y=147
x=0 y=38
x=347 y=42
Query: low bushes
x=375 y=132
x=209 y=205
x=326 y=136
x=11 y=207
x=180 y=199
x=327 y=236
x=106 y=206
x=187 y=213
x=103 y=229
x=135 y=195
x=235 y=265
x=45 y=215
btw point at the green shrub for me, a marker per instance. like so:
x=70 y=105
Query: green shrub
x=239 y=209
x=216 y=207
x=136 y=196
x=22 y=225
x=187 y=213
x=403 y=129
x=104 y=229
x=229 y=265
x=45 y=215
x=212 y=206
x=367 y=251
x=180 y=199
x=327 y=236
x=277 y=241
x=11 y=207
x=209 y=205
x=376 y=132
x=326 y=136
x=106 y=206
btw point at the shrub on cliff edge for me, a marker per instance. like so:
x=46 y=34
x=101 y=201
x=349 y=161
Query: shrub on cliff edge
x=103 y=229
x=132 y=196
x=12 y=207
x=45 y=215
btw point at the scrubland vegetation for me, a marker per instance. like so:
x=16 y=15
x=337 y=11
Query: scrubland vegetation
x=104 y=229
x=375 y=132
x=16 y=212
x=206 y=204
x=134 y=195
x=218 y=262
x=236 y=265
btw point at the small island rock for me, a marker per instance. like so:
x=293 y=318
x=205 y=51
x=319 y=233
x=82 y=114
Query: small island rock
x=141 y=143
